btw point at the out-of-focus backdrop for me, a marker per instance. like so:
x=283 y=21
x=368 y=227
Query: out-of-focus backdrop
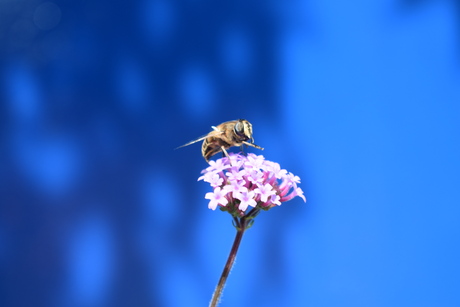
x=361 y=99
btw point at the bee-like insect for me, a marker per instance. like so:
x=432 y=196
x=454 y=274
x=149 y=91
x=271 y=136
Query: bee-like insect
x=226 y=135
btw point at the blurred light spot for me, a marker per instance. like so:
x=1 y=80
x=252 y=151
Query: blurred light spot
x=160 y=200
x=91 y=262
x=47 y=16
x=131 y=85
x=236 y=52
x=159 y=194
x=51 y=164
x=22 y=94
x=157 y=19
x=196 y=91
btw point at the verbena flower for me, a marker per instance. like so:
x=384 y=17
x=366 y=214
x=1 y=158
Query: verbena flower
x=216 y=198
x=242 y=181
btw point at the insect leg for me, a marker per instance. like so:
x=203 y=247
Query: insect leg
x=225 y=152
x=252 y=145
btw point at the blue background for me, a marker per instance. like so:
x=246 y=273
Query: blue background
x=360 y=99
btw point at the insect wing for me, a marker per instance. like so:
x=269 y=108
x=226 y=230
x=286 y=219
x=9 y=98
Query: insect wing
x=210 y=134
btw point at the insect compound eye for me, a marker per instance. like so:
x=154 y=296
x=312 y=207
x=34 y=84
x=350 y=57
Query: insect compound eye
x=239 y=128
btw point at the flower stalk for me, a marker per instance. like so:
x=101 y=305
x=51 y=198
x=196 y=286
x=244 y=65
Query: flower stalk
x=241 y=225
x=228 y=266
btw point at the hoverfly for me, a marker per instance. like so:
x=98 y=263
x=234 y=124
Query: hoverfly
x=226 y=135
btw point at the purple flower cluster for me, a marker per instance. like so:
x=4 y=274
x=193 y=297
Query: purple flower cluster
x=241 y=181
